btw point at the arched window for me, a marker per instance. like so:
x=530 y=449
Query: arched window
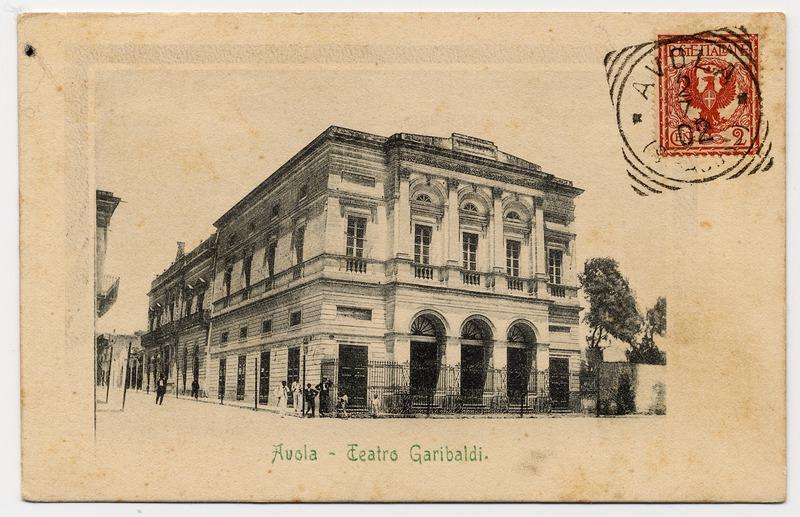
x=470 y=207
x=424 y=198
x=512 y=216
x=473 y=330
x=423 y=326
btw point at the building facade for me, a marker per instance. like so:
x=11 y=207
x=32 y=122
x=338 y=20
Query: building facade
x=416 y=271
x=105 y=286
x=175 y=345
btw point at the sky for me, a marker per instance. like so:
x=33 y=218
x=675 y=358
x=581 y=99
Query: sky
x=181 y=145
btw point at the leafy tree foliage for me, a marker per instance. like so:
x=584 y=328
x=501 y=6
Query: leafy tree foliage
x=612 y=303
x=646 y=351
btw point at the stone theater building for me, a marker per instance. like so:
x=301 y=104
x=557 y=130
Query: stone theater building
x=427 y=272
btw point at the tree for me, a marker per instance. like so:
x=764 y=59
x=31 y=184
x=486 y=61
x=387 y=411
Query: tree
x=612 y=304
x=646 y=351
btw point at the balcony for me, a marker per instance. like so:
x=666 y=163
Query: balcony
x=166 y=329
x=423 y=271
x=515 y=283
x=107 y=294
x=355 y=265
x=470 y=277
x=557 y=290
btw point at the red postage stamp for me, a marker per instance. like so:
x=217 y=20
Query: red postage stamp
x=708 y=95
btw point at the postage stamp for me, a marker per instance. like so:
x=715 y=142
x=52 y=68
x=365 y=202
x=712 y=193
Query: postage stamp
x=689 y=109
x=707 y=95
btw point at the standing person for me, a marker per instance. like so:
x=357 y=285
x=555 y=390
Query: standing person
x=310 y=395
x=341 y=406
x=297 y=398
x=195 y=389
x=375 y=406
x=282 y=393
x=161 y=389
x=324 y=390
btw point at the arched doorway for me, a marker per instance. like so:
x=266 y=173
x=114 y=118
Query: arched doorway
x=476 y=342
x=427 y=345
x=521 y=349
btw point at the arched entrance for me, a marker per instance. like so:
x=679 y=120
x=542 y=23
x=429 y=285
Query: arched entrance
x=521 y=349
x=476 y=342
x=427 y=345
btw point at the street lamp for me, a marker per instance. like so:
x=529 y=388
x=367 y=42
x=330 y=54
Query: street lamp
x=303 y=387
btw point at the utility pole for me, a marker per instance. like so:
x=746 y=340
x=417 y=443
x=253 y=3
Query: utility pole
x=127 y=375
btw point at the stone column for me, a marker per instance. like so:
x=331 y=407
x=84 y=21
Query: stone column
x=542 y=364
x=538 y=237
x=403 y=224
x=500 y=354
x=402 y=350
x=453 y=255
x=498 y=256
x=452 y=354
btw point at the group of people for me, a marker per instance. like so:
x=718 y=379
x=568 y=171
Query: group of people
x=310 y=395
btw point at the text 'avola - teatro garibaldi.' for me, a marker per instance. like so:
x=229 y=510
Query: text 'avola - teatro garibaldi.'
x=416 y=273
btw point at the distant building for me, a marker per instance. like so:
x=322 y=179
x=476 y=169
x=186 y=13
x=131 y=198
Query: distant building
x=175 y=345
x=114 y=366
x=105 y=286
x=427 y=271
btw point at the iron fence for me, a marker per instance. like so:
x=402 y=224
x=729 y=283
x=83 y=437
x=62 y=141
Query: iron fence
x=400 y=389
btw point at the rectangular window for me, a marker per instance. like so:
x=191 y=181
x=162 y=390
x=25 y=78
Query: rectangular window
x=512 y=257
x=293 y=373
x=224 y=337
x=295 y=318
x=240 y=374
x=299 y=242
x=221 y=382
x=227 y=280
x=276 y=209
x=266 y=326
x=470 y=251
x=356 y=230
x=554 y=260
x=263 y=382
x=354 y=313
x=247 y=265
x=269 y=258
x=243 y=333
x=422 y=244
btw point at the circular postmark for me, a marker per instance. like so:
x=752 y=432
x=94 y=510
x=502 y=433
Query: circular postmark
x=689 y=109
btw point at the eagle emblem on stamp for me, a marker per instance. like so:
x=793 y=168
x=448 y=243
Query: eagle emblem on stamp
x=707 y=97
x=689 y=109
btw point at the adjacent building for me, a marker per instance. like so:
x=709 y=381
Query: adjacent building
x=175 y=344
x=105 y=286
x=425 y=273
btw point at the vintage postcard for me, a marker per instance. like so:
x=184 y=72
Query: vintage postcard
x=403 y=257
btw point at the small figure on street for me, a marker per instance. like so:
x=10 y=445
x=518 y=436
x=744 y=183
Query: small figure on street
x=324 y=390
x=161 y=389
x=297 y=398
x=311 y=395
x=341 y=406
x=195 y=389
x=281 y=394
x=375 y=406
